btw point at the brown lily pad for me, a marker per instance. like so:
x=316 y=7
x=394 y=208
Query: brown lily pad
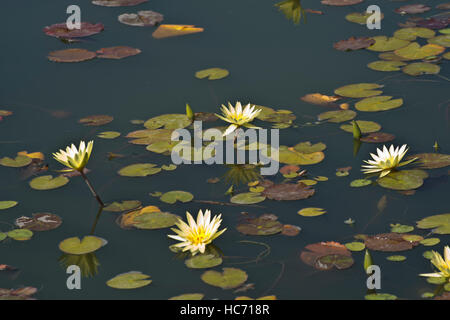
x=60 y=30
x=117 y=52
x=378 y=137
x=205 y=116
x=389 y=242
x=443 y=6
x=327 y=255
x=145 y=18
x=341 y=3
x=288 y=191
x=287 y=169
x=264 y=225
x=96 y=120
x=432 y=160
x=412 y=9
x=71 y=55
x=117 y=3
x=24 y=293
x=353 y=43
x=321 y=100
x=290 y=230
x=39 y=222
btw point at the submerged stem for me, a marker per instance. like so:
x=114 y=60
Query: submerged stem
x=96 y=196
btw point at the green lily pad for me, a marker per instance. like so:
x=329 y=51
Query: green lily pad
x=443 y=40
x=359 y=90
x=402 y=180
x=155 y=220
x=20 y=234
x=76 y=246
x=364 y=126
x=247 y=198
x=307 y=147
x=291 y=156
x=360 y=183
x=149 y=136
x=129 y=280
x=420 y=68
x=189 y=296
x=379 y=103
x=335 y=260
x=17 y=162
x=439 y=223
x=412 y=33
x=139 y=170
x=428 y=255
x=337 y=116
x=380 y=296
x=383 y=44
x=401 y=228
x=168 y=121
x=311 y=212
x=174 y=196
x=169 y=167
x=430 y=242
x=264 y=225
x=7 y=204
x=203 y=261
x=355 y=246
x=48 y=182
x=359 y=18
x=414 y=51
x=228 y=279
x=396 y=258
x=109 y=135
x=446 y=55
x=122 y=206
x=212 y=73
x=162 y=146
x=391 y=56
x=383 y=65
x=3 y=236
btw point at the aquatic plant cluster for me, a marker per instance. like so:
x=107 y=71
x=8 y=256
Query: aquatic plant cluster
x=244 y=187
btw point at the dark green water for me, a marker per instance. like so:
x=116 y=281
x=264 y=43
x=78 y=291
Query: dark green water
x=272 y=62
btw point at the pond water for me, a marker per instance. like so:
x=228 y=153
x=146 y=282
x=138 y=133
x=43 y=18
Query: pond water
x=272 y=62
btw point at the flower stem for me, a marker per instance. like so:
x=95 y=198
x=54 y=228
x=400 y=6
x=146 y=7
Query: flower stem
x=96 y=196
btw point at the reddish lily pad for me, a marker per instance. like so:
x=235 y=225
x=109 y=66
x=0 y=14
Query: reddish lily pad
x=378 y=137
x=39 y=222
x=290 y=230
x=353 y=43
x=321 y=100
x=71 y=55
x=117 y=3
x=340 y=3
x=432 y=160
x=60 y=30
x=287 y=169
x=145 y=18
x=288 y=191
x=117 y=52
x=389 y=242
x=412 y=9
x=264 y=225
x=327 y=255
x=96 y=120
x=432 y=23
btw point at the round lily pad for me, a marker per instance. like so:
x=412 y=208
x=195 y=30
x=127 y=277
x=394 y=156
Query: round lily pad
x=109 y=134
x=139 y=170
x=118 y=52
x=117 y=3
x=264 y=225
x=155 y=220
x=383 y=65
x=291 y=156
x=39 y=222
x=380 y=296
x=420 y=68
x=7 y=204
x=359 y=90
x=430 y=242
x=359 y=18
x=203 y=261
x=48 y=182
x=96 y=120
x=439 y=223
x=3 y=236
x=389 y=242
x=360 y=183
x=188 y=296
x=364 y=126
x=129 y=280
x=412 y=33
x=71 y=55
x=311 y=212
x=307 y=147
x=168 y=121
x=443 y=40
x=415 y=51
x=20 y=234
x=17 y=162
x=327 y=255
x=212 y=73
x=122 y=206
x=247 y=198
x=401 y=228
x=383 y=44
x=169 y=167
x=378 y=137
x=378 y=103
x=228 y=279
x=337 y=116
x=145 y=18
x=86 y=245
x=396 y=258
x=174 y=196
x=355 y=246
x=288 y=191
x=432 y=160
x=401 y=180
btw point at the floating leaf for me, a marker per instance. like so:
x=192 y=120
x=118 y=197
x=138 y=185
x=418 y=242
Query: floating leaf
x=48 y=182
x=378 y=137
x=86 y=245
x=412 y=9
x=378 y=103
x=360 y=183
x=212 y=73
x=308 y=182
x=154 y=220
x=337 y=116
x=129 y=280
x=290 y=230
x=365 y=126
x=169 y=167
x=359 y=18
x=386 y=65
x=247 y=198
x=402 y=180
x=411 y=34
x=86 y=29
x=146 y=137
x=118 y=52
x=327 y=255
x=228 y=279
x=288 y=169
x=353 y=43
x=203 y=261
x=3 y=236
x=264 y=225
x=359 y=90
x=173 y=30
x=7 y=204
x=412 y=237
x=139 y=170
x=71 y=55
x=340 y=3
x=20 y=234
x=311 y=212
x=17 y=162
x=389 y=242
x=117 y=3
x=168 y=121
x=39 y=222
x=420 y=68
x=96 y=120
x=174 y=196
x=383 y=44
x=108 y=134
x=288 y=191
x=430 y=242
x=123 y=206
x=291 y=156
x=414 y=51
x=189 y=296
x=142 y=18
x=355 y=246
x=432 y=160
x=5 y=113
x=439 y=223
x=380 y=296
x=321 y=99
x=399 y=228
x=432 y=23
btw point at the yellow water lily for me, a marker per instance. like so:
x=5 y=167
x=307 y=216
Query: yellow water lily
x=386 y=160
x=238 y=117
x=442 y=264
x=196 y=235
x=73 y=158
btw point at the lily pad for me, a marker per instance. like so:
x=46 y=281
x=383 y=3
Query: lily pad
x=174 y=196
x=139 y=170
x=378 y=137
x=212 y=73
x=414 y=51
x=321 y=100
x=174 y=30
x=364 y=126
x=430 y=242
x=382 y=65
x=203 y=261
x=340 y=3
x=123 y=206
x=390 y=242
x=396 y=258
x=359 y=90
x=359 y=18
x=355 y=246
x=118 y=52
x=420 y=68
x=48 y=182
x=117 y=3
x=439 y=223
x=337 y=116
x=228 y=279
x=412 y=9
x=39 y=222
x=71 y=55
x=109 y=134
x=20 y=234
x=7 y=204
x=327 y=255
x=290 y=230
x=60 y=30
x=168 y=121
x=155 y=220
x=264 y=225
x=86 y=245
x=311 y=212
x=141 y=19
x=353 y=43
x=188 y=296
x=17 y=162
x=378 y=103
x=383 y=44
x=3 y=236
x=146 y=137
x=380 y=296
x=96 y=120
x=400 y=228
x=360 y=183
x=247 y=198
x=432 y=160
x=129 y=280
x=412 y=33
x=288 y=191
x=291 y=156
x=402 y=180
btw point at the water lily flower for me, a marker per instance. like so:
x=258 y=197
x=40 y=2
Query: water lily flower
x=73 y=158
x=442 y=264
x=196 y=235
x=386 y=160
x=238 y=117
